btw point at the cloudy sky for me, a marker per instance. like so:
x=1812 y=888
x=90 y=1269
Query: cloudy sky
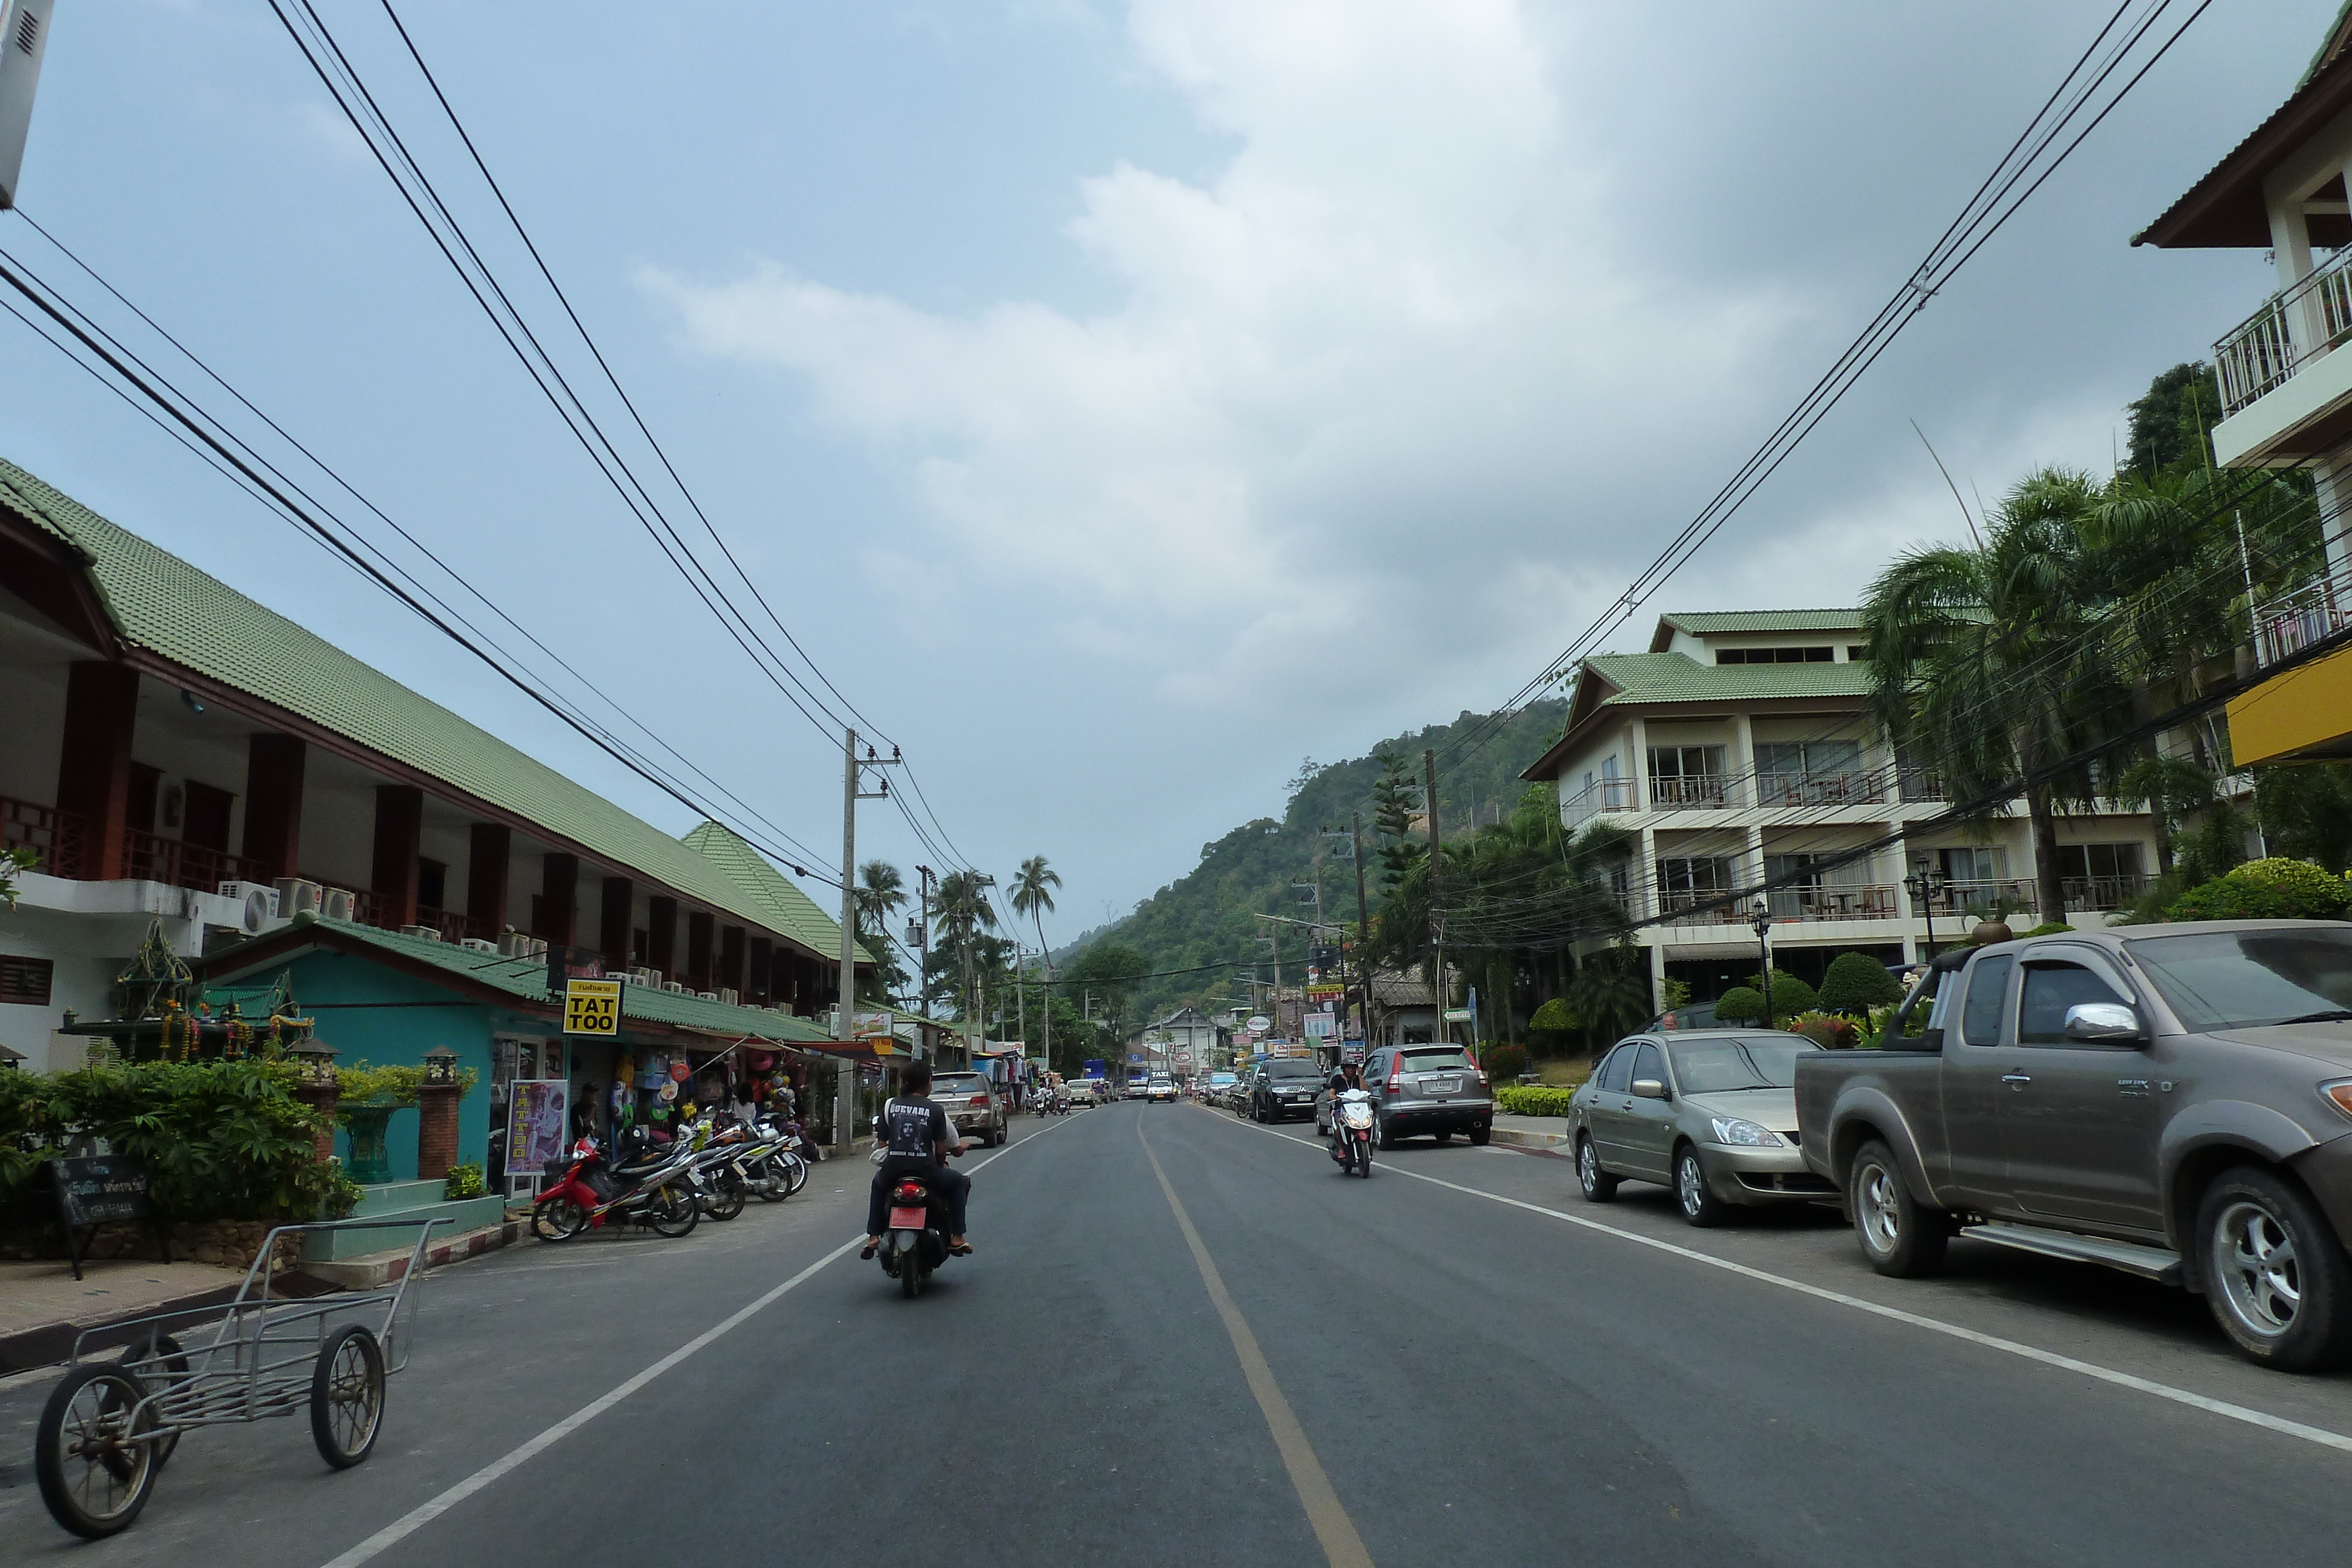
x=1119 y=402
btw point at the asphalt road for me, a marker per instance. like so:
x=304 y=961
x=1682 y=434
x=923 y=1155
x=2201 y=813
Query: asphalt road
x=1189 y=1339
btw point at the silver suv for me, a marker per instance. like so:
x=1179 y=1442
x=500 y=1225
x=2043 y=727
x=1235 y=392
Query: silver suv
x=974 y=1104
x=1428 y=1089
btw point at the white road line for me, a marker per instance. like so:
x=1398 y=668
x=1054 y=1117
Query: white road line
x=424 y=1513
x=2222 y=1407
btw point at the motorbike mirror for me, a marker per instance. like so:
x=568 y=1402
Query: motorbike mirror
x=1649 y=1089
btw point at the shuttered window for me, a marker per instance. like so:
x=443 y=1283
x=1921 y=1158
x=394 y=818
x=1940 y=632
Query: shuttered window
x=26 y=981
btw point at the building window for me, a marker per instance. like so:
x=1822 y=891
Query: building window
x=432 y=882
x=1857 y=653
x=1687 y=880
x=25 y=982
x=1817 y=655
x=1687 y=776
x=1809 y=772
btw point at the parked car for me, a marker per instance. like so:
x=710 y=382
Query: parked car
x=2172 y=1101
x=974 y=1104
x=1431 y=1089
x=1082 y=1092
x=1159 y=1087
x=1282 y=1087
x=1711 y=1113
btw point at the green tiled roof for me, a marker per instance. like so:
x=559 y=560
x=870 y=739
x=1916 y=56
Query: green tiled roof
x=790 y=909
x=1678 y=677
x=161 y=603
x=1698 y=622
x=525 y=979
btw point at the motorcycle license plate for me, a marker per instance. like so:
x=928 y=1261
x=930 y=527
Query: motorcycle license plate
x=909 y=1219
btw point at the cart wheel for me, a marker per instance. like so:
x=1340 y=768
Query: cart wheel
x=158 y=1359
x=347 y=1397
x=93 y=1478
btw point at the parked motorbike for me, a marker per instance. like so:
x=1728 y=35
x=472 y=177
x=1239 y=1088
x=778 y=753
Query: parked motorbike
x=773 y=1171
x=1351 y=1132
x=658 y=1187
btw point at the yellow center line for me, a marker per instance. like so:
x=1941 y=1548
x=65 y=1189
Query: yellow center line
x=1341 y=1544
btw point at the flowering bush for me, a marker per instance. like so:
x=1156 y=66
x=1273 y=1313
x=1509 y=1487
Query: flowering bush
x=1833 y=1031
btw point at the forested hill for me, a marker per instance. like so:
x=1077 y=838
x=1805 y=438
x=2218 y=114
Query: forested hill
x=1204 y=917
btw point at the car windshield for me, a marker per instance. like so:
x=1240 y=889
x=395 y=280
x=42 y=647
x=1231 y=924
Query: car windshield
x=1292 y=1067
x=1754 y=1061
x=2238 y=979
x=1435 y=1058
x=959 y=1083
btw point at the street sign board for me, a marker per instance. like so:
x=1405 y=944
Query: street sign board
x=1261 y=1023
x=593 y=1007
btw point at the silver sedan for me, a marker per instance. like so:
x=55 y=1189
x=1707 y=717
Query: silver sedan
x=1710 y=1114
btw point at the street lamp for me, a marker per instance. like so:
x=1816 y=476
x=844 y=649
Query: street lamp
x=1760 y=917
x=1923 y=886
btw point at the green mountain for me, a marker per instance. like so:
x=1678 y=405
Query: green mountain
x=1205 y=917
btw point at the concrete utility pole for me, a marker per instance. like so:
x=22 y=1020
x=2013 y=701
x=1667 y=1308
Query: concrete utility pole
x=1436 y=892
x=1363 y=936
x=20 y=73
x=923 y=902
x=844 y=1103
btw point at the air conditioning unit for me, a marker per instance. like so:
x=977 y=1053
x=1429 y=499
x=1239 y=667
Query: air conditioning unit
x=652 y=978
x=515 y=945
x=430 y=933
x=673 y=987
x=297 y=896
x=475 y=945
x=245 y=892
x=337 y=904
x=726 y=995
x=706 y=996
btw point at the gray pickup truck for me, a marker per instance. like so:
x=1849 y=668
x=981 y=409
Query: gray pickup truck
x=2173 y=1100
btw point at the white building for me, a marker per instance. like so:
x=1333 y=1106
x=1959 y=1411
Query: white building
x=1737 y=748
x=1182 y=1044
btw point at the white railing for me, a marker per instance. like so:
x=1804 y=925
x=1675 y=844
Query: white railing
x=2319 y=608
x=2294 y=326
x=1606 y=795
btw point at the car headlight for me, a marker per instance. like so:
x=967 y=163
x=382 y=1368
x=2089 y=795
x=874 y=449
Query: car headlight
x=1743 y=1134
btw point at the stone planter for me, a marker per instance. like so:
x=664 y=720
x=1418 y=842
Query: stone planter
x=371 y=1164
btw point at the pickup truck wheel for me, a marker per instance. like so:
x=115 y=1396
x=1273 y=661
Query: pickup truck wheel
x=1901 y=1237
x=2275 y=1277
x=1699 y=1205
x=1599 y=1185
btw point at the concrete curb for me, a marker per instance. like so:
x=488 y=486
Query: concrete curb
x=374 y=1268
x=1539 y=1142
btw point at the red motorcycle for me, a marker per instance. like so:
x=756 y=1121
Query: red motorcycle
x=658 y=1188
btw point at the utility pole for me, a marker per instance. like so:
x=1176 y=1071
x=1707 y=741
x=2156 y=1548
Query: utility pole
x=20 y=74
x=923 y=902
x=844 y=1103
x=1363 y=936
x=1436 y=892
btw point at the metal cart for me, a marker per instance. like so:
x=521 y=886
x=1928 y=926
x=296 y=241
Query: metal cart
x=109 y=1425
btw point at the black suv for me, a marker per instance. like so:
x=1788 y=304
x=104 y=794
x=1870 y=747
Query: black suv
x=1284 y=1086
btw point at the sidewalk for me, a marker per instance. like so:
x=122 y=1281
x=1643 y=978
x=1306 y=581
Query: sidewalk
x=43 y=1306
x=1544 y=1134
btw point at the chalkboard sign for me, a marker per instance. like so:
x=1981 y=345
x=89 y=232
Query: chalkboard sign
x=101 y=1189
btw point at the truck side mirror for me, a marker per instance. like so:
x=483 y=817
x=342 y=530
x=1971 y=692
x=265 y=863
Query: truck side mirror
x=2104 y=1023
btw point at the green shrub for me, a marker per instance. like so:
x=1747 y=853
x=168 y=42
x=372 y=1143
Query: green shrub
x=2222 y=899
x=1741 y=1004
x=1791 y=996
x=1503 y=1061
x=1855 y=983
x=221 y=1139
x=1533 y=1099
x=465 y=1181
x=1554 y=1025
x=2048 y=928
x=2311 y=894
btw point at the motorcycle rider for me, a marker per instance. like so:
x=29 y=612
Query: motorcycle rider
x=1346 y=1076
x=919 y=1142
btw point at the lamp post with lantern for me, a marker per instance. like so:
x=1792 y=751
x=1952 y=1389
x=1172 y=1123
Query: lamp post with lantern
x=314 y=1072
x=1923 y=886
x=1761 y=918
x=436 y=1114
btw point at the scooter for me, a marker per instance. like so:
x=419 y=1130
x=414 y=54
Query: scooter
x=657 y=1188
x=1351 y=1132
x=917 y=1242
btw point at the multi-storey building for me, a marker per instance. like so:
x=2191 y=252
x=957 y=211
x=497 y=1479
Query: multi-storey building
x=1739 y=749
x=2286 y=393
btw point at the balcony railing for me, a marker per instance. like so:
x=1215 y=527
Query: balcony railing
x=1605 y=795
x=1828 y=901
x=1675 y=791
x=53 y=836
x=2087 y=893
x=1964 y=897
x=150 y=857
x=2294 y=326
x=2318 y=610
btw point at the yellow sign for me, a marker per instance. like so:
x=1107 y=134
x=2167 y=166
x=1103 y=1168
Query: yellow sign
x=592 y=1007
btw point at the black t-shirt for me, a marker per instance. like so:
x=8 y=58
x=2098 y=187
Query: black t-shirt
x=915 y=1125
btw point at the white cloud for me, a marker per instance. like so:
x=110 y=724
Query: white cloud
x=1385 y=350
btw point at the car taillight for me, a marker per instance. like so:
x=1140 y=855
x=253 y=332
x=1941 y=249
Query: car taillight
x=1396 y=1076
x=1481 y=1076
x=980 y=1099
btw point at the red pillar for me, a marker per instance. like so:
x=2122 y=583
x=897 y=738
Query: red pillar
x=756 y=983
x=399 y=823
x=559 y=894
x=661 y=937
x=731 y=958
x=274 y=767
x=94 y=764
x=614 y=922
x=487 y=858
x=698 y=951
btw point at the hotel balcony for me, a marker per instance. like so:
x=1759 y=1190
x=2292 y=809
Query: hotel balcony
x=2286 y=395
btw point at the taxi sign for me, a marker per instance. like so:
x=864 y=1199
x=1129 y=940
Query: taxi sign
x=593 y=1007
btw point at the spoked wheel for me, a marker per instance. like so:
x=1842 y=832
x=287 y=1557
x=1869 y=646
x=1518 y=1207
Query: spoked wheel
x=672 y=1212
x=94 y=1473
x=158 y=1362
x=727 y=1198
x=557 y=1219
x=347 y=1397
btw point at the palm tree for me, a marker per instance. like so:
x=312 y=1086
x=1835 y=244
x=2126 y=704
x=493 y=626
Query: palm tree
x=1985 y=661
x=962 y=910
x=881 y=893
x=1032 y=896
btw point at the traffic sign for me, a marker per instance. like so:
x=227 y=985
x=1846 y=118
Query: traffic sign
x=593 y=1007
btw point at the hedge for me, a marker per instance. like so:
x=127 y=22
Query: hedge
x=1533 y=1099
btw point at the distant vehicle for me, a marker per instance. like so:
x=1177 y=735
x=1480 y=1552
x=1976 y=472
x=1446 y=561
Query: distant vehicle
x=974 y=1104
x=1082 y=1092
x=1711 y=1113
x=1136 y=1082
x=1429 y=1089
x=2172 y=1101
x=1282 y=1087
x=1159 y=1087
x=1216 y=1086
